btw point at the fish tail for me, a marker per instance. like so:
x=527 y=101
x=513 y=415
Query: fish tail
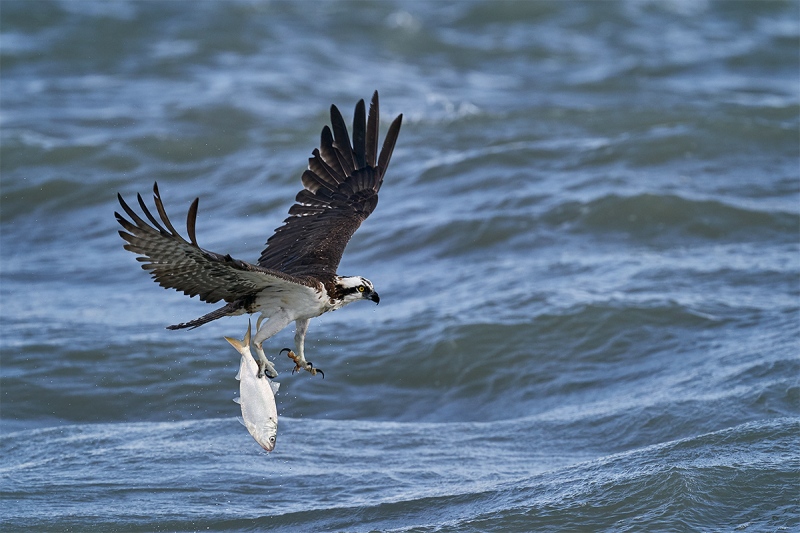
x=244 y=344
x=236 y=343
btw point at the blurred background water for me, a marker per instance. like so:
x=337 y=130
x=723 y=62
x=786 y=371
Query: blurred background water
x=586 y=249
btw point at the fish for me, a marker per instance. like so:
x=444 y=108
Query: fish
x=256 y=396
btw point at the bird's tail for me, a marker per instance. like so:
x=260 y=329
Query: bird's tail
x=231 y=309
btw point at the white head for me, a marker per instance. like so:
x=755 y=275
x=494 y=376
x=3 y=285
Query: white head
x=350 y=289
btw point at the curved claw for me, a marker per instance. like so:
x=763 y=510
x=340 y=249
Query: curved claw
x=315 y=370
x=264 y=372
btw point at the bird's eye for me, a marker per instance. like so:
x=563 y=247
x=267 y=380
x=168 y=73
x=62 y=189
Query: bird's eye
x=361 y=288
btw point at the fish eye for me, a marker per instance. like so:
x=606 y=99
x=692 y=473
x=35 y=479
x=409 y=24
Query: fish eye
x=361 y=288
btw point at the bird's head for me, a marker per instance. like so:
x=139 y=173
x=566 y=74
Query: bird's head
x=354 y=288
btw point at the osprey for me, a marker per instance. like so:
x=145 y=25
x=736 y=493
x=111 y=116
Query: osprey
x=295 y=278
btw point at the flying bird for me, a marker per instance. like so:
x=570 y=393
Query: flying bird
x=295 y=278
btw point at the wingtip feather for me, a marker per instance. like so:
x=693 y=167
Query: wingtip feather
x=373 y=123
x=388 y=143
x=343 y=148
x=360 y=135
x=148 y=214
x=191 y=221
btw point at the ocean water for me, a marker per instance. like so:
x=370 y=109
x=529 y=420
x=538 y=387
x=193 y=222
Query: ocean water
x=587 y=249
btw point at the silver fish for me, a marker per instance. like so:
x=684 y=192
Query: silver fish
x=256 y=396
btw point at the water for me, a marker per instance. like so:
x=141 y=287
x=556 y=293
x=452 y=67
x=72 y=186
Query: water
x=586 y=249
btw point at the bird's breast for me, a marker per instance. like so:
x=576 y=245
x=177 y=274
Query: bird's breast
x=303 y=302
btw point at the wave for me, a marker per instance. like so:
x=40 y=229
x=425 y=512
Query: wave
x=394 y=477
x=648 y=216
x=480 y=224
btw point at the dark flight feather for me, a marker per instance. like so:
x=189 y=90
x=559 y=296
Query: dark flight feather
x=360 y=136
x=328 y=153
x=373 y=122
x=341 y=141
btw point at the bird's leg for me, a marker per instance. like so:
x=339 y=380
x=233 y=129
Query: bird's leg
x=301 y=326
x=273 y=326
x=265 y=366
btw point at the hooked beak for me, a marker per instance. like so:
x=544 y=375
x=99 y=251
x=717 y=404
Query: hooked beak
x=375 y=298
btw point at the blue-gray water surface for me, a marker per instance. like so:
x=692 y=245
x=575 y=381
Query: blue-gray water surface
x=587 y=248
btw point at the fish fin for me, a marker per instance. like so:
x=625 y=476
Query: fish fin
x=239 y=374
x=236 y=343
x=241 y=421
x=240 y=345
x=274 y=386
x=238 y=400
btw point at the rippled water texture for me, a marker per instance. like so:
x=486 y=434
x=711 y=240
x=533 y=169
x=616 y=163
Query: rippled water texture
x=586 y=249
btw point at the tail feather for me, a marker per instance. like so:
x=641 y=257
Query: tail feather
x=231 y=309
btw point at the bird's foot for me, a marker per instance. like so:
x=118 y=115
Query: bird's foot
x=300 y=363
x=266 y=370
x=265 y=367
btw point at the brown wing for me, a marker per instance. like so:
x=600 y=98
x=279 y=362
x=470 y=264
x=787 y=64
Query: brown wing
x=175 y=263
x=340 y=191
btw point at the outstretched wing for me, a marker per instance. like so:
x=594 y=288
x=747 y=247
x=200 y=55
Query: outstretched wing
x=182 y=265
x=340 y=191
